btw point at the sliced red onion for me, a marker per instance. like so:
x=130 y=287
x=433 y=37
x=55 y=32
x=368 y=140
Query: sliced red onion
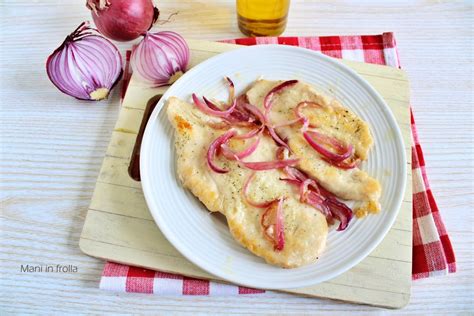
x=268 y=98
x=250 y=134
x=255 y=112
x=240 y=114
x=231 y=155
x=302 y=105
x=160 y=58
x=317 y=201
x=206 y=109
x=211 y=152
x=211 y=105
x=86 y=65
x=235 y=117
x=314 y=138
x=296 y=174
x=272 y=222
x=320 y=198
x=277 y=138
x=246 y=197
x=341 y=211
x=269 y=165
x=231 y=90
x=280 y=153
x=279 y=226
x=305 y=186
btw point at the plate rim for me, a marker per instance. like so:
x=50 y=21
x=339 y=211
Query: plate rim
x=145 y=179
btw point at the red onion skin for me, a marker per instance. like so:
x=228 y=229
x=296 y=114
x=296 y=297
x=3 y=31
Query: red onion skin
x=211 y=152
x=125 y=20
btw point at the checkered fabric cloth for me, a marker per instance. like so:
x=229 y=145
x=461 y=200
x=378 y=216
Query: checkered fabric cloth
x=432 y=250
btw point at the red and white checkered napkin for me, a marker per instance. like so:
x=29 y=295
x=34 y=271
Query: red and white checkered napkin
x=432 y=250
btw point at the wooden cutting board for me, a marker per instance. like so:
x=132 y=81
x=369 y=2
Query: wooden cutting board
x=119 y=227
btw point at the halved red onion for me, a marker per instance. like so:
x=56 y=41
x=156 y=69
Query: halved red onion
x=268 y=98
x=86 y=65
x=206 y=109
x=314 y=139
x=215 y=145
x=246 y=197
x=272 y=222
x=269 y=165
x=301 y=105
x=160 y=58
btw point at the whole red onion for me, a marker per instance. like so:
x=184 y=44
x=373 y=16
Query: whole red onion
x=123 y=20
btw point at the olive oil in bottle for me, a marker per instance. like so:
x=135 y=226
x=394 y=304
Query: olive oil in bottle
x=262 y=17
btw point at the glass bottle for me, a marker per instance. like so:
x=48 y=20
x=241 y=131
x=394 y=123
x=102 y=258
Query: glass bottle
x=262 y=17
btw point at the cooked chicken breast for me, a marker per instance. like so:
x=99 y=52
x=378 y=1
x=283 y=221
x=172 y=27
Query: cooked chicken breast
x=331 y=119
x=305 y=229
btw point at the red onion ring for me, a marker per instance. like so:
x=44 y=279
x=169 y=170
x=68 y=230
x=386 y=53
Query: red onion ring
x=304 y=189
x=231 y=90
x=302 y=105
x=250 y=134
x=340 y=211
x=246 y=197
x=313 y=138
x=255 y=112
x=317 y=201
x=268 y=98
x=278 y=238
x=322 y=199
x=231 y=155
x=206 y=109
x=277 y=138
x=211 y=152
x=235 y=117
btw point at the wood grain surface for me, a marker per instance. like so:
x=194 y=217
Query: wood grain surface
x=52 y=147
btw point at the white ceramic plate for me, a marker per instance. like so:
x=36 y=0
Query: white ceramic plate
x=203 y=238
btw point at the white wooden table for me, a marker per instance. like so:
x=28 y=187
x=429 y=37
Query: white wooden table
x=52 y=147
